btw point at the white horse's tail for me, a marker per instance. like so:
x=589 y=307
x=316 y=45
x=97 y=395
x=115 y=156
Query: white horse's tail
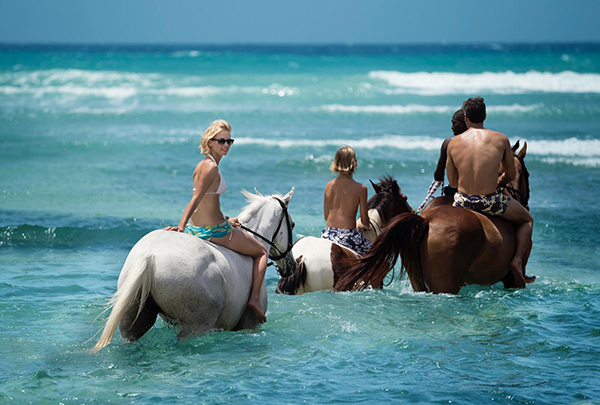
x=139 y=282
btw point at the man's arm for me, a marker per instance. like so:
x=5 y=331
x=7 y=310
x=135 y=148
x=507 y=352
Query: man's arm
x=451 y=170
x=438 y=175
x=508 y=162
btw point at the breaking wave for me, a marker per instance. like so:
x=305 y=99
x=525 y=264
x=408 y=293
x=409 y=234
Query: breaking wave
x=441 y=83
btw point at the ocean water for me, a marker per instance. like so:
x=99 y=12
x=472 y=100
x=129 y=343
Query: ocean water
x=98 y=144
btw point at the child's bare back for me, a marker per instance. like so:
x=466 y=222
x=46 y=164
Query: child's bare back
x=343 y=197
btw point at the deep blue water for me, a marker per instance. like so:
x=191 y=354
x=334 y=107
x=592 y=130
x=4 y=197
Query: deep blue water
x=98 y=144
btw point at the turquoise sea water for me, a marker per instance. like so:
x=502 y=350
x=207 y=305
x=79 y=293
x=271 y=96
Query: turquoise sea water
x=97 y=148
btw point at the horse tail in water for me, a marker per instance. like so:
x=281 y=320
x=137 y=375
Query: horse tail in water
x=290 y=285
x=137 y=286
x=402 y=236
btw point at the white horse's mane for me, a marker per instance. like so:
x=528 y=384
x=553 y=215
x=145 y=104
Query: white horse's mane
x=255 y=202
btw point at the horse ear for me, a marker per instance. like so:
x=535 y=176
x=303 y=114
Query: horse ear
x=288 y=196
x=515 y=147
x=376 y=187
x=256 y=191
x=523 y=151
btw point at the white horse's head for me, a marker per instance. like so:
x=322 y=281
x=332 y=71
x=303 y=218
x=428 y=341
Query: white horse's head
x=268 y=218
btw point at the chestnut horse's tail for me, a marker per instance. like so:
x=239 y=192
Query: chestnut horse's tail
x=402 y=236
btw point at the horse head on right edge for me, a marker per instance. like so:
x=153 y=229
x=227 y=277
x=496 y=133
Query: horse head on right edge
x=445 y=248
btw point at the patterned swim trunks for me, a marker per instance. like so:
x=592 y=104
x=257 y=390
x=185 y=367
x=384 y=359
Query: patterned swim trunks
x=350 y=238
x=208 y=232
x=491 y=204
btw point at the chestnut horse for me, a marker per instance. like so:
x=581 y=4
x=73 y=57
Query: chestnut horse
x=445 y=248
x=319 y=261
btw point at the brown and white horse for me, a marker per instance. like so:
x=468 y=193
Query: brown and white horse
x=445 y=248
x=320 y=261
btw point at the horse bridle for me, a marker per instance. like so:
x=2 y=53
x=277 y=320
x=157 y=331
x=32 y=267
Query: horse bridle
x=514 y=192
x=280 y=254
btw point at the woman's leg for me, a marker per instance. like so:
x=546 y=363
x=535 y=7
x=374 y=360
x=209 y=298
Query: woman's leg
x=245 y=244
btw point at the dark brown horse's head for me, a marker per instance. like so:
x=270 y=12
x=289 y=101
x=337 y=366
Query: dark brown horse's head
x=518 y=188
x=388 y=199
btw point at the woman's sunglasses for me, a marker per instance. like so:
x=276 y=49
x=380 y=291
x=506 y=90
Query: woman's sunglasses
x=223 y=141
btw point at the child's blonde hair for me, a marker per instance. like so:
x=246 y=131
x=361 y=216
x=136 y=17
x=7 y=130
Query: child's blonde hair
x=344 y=161
x=212 y=131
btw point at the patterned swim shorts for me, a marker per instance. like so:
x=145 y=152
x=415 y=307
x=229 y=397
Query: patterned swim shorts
x=350 y=238
x=208 y=232
x=491 y=204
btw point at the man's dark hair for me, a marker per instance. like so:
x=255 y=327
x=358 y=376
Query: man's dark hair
x=474 y=109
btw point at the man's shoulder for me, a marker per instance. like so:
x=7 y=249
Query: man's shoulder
x=495 y=134
x=452 y=141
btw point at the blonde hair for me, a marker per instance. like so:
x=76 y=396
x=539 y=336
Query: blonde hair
x=344 y=161
x=212 y=131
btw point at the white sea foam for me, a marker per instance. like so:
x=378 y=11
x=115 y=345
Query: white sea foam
x=387 y=141
x=187 y=54
x=438 y=83
x=418 y=108
x=571 y=147
x=117 y=92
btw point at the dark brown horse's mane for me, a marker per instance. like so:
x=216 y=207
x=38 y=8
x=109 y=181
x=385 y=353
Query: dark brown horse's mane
x=524 y=178
x=387 y=189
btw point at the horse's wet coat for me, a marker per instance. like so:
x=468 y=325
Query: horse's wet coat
x=192 y=282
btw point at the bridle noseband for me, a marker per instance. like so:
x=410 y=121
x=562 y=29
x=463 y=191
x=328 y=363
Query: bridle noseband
x=280 y=255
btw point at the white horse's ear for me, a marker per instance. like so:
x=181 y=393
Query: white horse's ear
x=256 y=191
x=288 y=196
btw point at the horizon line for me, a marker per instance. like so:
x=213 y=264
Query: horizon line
x=299 y=44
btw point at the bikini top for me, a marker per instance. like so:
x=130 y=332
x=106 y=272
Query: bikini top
x=222 y=185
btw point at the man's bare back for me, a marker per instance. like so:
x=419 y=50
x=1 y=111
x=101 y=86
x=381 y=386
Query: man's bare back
x=477 y=154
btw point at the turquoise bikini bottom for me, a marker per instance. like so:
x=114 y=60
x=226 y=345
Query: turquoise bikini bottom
x=208 y=232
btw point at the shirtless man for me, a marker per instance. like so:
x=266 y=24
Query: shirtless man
x=474 y=159
x=458 y=127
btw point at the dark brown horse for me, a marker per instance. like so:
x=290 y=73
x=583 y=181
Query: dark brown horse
x=445 y=248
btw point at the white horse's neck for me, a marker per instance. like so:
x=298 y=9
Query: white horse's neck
x=264 y=221
x=376 y=225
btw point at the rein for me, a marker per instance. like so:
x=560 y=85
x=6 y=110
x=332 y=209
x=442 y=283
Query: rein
x=280 y=254
x=515 y=193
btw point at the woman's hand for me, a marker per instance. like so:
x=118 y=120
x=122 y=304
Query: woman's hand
x=174 y=228
x=234 y=222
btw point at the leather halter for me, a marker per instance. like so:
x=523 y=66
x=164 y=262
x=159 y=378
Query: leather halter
x=280 y=254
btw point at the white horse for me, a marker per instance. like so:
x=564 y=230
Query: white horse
x=195 y=283
x=320 y=261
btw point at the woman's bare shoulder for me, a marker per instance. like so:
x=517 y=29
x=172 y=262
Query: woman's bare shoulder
x=206 y=168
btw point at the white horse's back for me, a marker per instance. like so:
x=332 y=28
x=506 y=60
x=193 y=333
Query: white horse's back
x=198 y=283
x=315 y=267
